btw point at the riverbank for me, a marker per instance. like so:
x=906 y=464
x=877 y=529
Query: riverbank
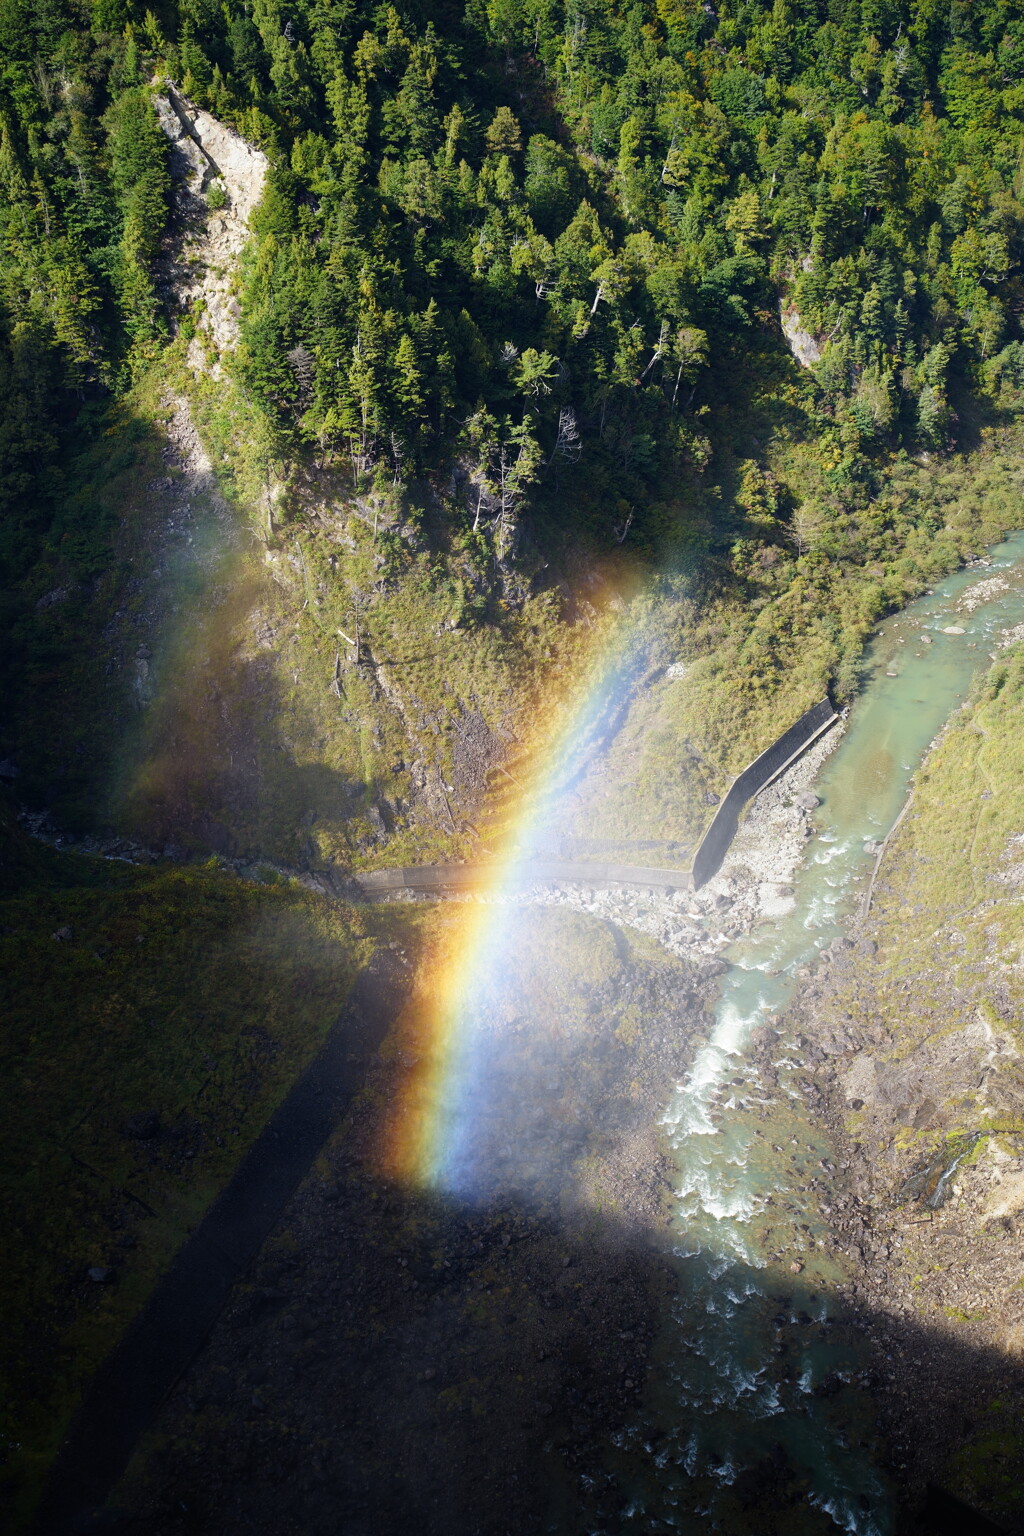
x=912 y=1033
x=810 y=1201
x=936 y=1292
x=753 y=883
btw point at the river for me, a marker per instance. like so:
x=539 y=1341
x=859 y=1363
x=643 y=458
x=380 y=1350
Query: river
x=761 y=1385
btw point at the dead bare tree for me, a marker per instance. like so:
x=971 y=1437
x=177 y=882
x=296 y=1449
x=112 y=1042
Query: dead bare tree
x=303 y=366
x=567 y=443
x=623 y=528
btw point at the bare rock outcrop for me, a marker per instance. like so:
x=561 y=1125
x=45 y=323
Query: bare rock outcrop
x=210 y=164
x=802 y=344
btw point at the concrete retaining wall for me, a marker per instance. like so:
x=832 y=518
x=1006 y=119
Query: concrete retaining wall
x=469 y=877
x=773 y=761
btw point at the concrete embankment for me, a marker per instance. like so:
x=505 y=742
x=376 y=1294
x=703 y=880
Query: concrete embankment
x=770 y=765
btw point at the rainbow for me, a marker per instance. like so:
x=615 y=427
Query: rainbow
x=429 y=1134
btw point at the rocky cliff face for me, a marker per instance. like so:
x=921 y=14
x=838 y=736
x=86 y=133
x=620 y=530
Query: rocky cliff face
x=218 y=181
x=801 y=343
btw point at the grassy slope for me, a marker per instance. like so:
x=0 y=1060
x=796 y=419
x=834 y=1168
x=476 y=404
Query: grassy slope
x=183 y=993
x=241 y=742
x=947 y=900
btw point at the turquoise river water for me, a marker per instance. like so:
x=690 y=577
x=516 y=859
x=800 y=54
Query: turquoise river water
x=759 y=1385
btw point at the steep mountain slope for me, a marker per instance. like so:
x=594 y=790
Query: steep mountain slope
x=366 y=373
x=505 y=343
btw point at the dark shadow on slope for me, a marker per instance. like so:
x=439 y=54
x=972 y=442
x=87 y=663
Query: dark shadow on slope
x=152 y=686
x=158 y=1346
x=214 y=772
x=497 y=1362
x=945 y=1515
x=73 y=611
x=399 y=1363
x=570 y=1113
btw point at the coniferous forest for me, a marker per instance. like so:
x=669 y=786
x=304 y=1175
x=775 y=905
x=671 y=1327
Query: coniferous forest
x=527 y=234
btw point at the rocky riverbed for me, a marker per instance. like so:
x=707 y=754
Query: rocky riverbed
x=930 y=1222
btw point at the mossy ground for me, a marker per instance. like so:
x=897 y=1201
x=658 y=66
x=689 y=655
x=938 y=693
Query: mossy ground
x=182 y=994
